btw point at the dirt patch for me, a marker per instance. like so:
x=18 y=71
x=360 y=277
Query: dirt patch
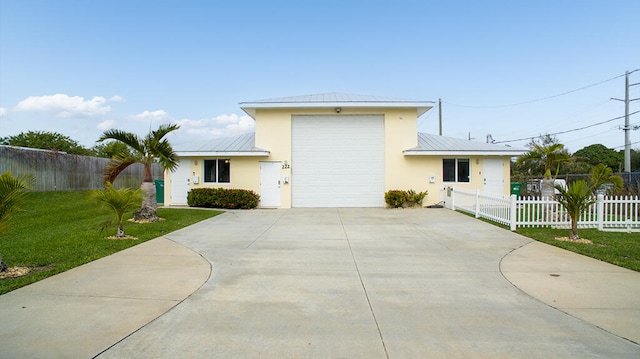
x=144 y=220
x=14 y=272
x=19 y=271
x=122 y=238
x=579 y=240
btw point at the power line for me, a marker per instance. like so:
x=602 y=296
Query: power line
x=540 y=99
x=632 y=143
x=572 y=130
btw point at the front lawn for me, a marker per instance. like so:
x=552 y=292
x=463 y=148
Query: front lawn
x=619 y=248
x=57 y=231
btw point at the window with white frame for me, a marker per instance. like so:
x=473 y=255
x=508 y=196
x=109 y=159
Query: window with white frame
x=217 y=171
x=455 y=170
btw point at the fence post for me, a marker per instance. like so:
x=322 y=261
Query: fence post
x=600 y=211
x=453 y=198
x=512 y=213
x=477 y=203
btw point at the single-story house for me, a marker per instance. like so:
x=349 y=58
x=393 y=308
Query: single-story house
x=338 y=150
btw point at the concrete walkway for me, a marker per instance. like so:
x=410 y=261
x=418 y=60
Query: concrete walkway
x=332 y=283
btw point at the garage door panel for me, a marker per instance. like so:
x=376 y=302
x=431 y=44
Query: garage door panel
x=338 y=161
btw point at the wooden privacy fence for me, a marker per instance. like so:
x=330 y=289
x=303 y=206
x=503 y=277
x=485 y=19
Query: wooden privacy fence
x=60 y=171
x=621 y=213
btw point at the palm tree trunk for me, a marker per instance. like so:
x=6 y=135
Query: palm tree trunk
x=574 y=229
x=120 y=229
x=148 y=176
x=149 y=196
x=548 y=192
x=149 y=210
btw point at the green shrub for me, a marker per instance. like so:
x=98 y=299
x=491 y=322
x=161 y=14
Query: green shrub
x=415 y=198
x=228 y=198
x=399 y=198
x=395 y=198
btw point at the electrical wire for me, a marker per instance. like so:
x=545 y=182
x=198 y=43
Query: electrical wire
x=572 y=130
x=540 y=99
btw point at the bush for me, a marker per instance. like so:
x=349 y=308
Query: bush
x=415 y=198
x=399 y=198
x=395 y=198
x=223 y=198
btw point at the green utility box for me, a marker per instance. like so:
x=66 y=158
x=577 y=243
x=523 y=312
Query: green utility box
x=159 y=191
x=516 y=188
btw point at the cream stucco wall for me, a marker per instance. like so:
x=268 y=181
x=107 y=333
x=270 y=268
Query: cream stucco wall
x=274 y=130
x=244 y=174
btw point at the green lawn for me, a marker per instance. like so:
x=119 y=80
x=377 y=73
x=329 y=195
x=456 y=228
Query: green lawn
x=619 y=248
x=57 y=231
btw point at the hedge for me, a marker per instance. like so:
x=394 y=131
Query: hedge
x=228 y=198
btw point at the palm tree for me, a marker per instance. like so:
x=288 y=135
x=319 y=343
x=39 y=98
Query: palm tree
x=602 y=174
x=579 y=195
x=119 y=200
x=12 y=193
x=552 y=154
x=576 y=198
x=148 y=150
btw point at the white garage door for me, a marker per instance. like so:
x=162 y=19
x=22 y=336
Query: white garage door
x=337 y=161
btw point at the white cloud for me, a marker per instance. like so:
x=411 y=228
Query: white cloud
x=219 y=126
x=63 y=105
x=105 y=125
x=116 y=99
x=151 y=116
x=3 y=111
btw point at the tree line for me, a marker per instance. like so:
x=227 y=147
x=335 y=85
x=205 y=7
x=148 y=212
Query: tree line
x=566 y=163
x=55 y=141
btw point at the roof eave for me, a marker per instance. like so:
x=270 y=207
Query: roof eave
x=459 y=153
x=222 y=153
x=251 y=107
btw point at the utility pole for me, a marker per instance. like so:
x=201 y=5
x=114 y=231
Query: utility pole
x=627 y=126
x=440 y=116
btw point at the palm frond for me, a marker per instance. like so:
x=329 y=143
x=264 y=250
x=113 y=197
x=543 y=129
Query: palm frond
x=130 y=139
x=116 y=165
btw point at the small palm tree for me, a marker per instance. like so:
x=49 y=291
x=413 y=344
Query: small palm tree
x=576 y=198
x=12 y=193
x=602 y=174
x=118 y=200
x=148 y=150
x=579 y=195
x=552 y=154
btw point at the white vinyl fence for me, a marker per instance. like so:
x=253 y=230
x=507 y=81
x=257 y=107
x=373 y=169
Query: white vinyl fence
x=613 y=213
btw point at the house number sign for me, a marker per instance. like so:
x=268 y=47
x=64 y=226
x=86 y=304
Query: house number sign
x=286 y=166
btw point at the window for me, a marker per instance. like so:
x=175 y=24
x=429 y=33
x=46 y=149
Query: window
x=217 y=171
x=455 y=170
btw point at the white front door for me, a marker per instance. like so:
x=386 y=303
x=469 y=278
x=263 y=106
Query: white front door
x=180 y=183
x=270 y=184
x=493 y=174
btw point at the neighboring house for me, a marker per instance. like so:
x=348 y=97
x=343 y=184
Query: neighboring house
x=338 y=150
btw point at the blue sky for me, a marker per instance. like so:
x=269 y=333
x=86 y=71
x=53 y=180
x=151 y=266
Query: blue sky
x=80 y=67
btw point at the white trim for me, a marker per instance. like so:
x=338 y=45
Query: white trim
x=251 y=107
x=462 y=153
x=221 y=154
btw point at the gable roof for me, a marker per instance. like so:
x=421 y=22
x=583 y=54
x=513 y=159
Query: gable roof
x=332 y=100
x=430 y=145
x=242 y=145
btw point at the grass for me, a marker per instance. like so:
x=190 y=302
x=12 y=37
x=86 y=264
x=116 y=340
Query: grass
x=619 y=248
x=57 y=231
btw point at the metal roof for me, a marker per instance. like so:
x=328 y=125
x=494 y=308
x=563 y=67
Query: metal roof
x=242 y=145
x=429 y=145
x=335 y=99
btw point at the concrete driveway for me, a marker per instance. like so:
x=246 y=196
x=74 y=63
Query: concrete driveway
x=361 y=283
